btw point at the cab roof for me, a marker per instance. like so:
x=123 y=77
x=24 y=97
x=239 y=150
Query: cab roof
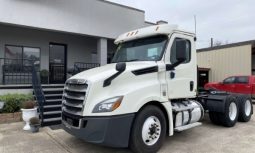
x=164 y=29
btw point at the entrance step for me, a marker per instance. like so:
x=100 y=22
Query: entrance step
x=53 y=102
x=52 y=121
x=48 y=108
x=52 y=114
x=53 y=105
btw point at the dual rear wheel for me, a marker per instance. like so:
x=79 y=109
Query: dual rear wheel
x=236 y=109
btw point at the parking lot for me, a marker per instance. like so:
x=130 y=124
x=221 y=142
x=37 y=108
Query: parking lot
x=207 y=138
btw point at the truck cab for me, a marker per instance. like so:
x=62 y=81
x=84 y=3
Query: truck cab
x=147 y=92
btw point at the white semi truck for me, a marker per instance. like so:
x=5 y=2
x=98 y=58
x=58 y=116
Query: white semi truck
x=148 y=92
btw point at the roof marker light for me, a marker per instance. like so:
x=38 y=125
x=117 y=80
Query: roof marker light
x=127 y=34
x=132 y=33
x=157 y=28
x=136 y=32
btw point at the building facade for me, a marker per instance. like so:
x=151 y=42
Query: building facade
x=57 y=34
x=217 y=63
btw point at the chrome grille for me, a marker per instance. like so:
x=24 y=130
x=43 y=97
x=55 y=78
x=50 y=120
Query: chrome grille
x=74 y=96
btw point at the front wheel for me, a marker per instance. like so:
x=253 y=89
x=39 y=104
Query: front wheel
x=149 y=130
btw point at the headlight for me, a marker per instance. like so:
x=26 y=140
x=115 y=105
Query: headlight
x=108 y=105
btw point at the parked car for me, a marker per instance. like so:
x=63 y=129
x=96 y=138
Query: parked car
x=235 y=84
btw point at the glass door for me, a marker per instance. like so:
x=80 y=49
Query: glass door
x=57 y=65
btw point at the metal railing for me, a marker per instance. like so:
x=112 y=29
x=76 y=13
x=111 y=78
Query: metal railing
x=80 y=66
x=16 y=71
x=23 y=71
x=37 y=87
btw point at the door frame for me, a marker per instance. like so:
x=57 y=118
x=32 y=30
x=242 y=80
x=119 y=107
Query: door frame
x=202 y=70
x=65 y=63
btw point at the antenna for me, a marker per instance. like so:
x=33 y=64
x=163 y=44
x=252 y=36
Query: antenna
x=195 y=20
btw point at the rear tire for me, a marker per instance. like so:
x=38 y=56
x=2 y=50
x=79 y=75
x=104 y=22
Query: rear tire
x=245 y=108
x=230 y=116
x=149 y=130
x=214 y=117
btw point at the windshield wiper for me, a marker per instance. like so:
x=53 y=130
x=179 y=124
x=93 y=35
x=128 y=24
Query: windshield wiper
x=133 y=60
x=126 y=61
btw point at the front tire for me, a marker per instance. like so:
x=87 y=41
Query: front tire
x=149 y=130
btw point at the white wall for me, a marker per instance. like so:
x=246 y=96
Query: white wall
x=79 y=48
x=226 y=62
x=89 y=17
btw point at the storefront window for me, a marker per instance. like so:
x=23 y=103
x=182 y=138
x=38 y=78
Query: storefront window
x=31 y=54
x=22 y=56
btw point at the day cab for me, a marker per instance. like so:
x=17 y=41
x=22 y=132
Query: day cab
x=147 y=92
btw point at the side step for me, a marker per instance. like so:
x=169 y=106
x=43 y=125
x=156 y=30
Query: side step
x=186 y=127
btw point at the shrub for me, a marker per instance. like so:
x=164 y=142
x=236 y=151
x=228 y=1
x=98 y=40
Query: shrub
x=34 y=121
x=44 y=73
x=13 y=102
x=28 y=104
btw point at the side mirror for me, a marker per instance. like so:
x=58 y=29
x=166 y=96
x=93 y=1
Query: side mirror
x=121 y=67
x=181 y=50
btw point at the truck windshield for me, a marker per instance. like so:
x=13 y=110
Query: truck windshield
x=146 y=49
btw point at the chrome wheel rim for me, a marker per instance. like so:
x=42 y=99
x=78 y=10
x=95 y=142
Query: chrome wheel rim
x=151 y=130
x=232 y=111
x=247 y=107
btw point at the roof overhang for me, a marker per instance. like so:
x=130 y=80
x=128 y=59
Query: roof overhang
x=250 y=42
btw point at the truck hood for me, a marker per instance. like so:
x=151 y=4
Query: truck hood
x=108 y=70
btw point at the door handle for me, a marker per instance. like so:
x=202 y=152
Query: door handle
x=172 y=75
x=191 y=85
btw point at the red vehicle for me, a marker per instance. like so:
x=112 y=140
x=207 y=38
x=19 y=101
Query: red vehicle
x=235 y=84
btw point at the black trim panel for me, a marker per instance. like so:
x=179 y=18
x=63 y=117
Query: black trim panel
x=108 y=81
x=113 y=131
x=145 y=70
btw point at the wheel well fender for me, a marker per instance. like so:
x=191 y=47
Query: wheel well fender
x=217 y=102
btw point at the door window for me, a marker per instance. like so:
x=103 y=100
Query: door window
x=229 y=80
x=242 y=80
x=173 y=58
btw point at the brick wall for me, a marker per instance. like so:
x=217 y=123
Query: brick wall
x=10 y=117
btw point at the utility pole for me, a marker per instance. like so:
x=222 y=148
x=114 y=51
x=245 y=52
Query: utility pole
x=211 y=42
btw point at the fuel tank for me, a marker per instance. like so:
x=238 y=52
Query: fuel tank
x=187 y=112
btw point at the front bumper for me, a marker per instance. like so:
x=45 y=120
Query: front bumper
x=113 y=131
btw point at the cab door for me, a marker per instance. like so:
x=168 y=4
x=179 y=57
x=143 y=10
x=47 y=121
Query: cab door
x=242 y=85
x=228 y=85
x=182 y=79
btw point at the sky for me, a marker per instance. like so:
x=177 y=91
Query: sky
x=227 y=21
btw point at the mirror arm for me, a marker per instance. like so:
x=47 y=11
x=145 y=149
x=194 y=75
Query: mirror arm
x=170 y=67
